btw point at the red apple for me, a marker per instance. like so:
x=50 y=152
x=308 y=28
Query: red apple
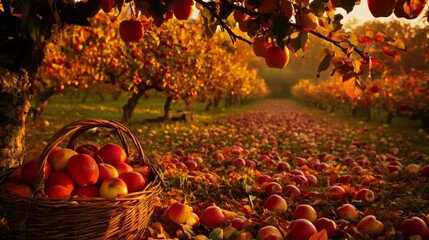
x=86 y=192
x=90 y=149
x=143 y=170
x=131 y=31
x=29 y=172
x=275 y=203
x=113 y=187
x=58 y=191
x=83 y=169
x=263 y=178
x=283 y=166
x=381 y=8
x=250 y=163
x=191 y=164
x=59 y=159
x=273 y=188
x=325 y=223
x=238 y=223
x=212 y=217
x=291 y=191
x=60 y=178
x=21 y=190
x=425 y=170
x=268 y=231
x=371 y=226
x=305 y=211
x=134 y=180
x=301 y=229
x=311 y=179
x=348 y=212
x=300 y=180
x=414 y=226
x=366 y=195
x=179 y=213
x=111 y=153
x=336 y=193
x=122 y=167
x=239 y=162
x=106 y=171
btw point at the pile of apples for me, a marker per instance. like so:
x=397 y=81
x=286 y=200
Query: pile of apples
x=86 y=172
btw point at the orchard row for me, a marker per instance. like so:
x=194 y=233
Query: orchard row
x=173 y=59
x=397 y=95
x=281 y=172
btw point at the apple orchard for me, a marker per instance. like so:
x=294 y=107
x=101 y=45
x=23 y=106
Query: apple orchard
x=267 y=172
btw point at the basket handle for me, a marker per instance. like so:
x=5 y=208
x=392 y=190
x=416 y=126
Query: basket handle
x=75 y=129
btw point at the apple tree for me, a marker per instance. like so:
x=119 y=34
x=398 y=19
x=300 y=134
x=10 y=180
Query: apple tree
x=26 y=27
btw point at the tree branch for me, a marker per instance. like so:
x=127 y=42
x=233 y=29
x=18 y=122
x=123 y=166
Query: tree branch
x=336 y=43
x=265 y=15
x=233 y=36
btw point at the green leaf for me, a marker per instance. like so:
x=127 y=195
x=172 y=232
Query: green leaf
x=216 y=234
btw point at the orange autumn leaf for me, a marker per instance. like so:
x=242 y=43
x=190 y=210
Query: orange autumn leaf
x=352 y=85
x=322 y=235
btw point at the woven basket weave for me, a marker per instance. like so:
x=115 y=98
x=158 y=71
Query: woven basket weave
x=124 y=217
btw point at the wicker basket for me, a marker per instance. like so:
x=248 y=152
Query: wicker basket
x=124 y=217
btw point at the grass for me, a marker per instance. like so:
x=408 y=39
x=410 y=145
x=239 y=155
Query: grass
x=62 y=110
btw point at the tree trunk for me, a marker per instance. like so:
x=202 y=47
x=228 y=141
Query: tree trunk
x=167 y=106
x=41 y=100
x=209 y=104
x=216 y=102
x=389 y=118
x=15 y=96
x=128 y=108
x=425 y=121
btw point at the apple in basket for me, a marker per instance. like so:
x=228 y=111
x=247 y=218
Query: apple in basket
x=144 y=170
x=89 y=148
x=134 y=180
x=106 y=171
x=111 y=153
x=83 y=169
x=113 y=187
x=86 y=192
x=29 y=172
x=59 y=159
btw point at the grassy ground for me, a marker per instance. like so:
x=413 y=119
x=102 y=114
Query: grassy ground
x=62 y=110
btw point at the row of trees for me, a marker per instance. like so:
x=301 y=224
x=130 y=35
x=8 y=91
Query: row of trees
x=405 y=95
x=398 y=82
x=26 y=27
x=173 y=60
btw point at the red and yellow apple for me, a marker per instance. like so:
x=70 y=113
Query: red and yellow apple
x=134 y=180
x=179 y=213
x=305 y=211
x=212 y=217
x=83 y=169
x=86 y=192
x=371 y=226
x=113 y=187
x=275 y=203
x=59 y=159
x=106 y=171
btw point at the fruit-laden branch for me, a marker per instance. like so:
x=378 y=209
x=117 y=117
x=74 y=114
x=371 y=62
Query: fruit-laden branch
x=222 y=23
x=336 y=43
x=267 y=15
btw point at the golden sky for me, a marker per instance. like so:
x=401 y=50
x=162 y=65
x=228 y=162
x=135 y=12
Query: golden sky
x=361 y=12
